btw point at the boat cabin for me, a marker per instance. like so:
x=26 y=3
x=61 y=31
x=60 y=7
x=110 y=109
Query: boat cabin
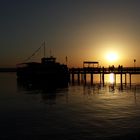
x=48 y=60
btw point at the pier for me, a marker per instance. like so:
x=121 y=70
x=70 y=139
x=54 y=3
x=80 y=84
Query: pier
x=92 y=68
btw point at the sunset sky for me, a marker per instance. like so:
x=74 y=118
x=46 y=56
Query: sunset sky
x=94 y=30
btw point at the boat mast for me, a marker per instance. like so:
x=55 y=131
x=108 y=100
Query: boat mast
x=44 y=49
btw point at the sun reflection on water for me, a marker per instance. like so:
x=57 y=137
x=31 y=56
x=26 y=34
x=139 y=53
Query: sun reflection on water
x=111 y=78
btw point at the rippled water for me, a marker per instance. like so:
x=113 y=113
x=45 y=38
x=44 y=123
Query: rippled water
x=72 y=112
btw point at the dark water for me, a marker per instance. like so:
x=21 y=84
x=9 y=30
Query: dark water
x=68 y=113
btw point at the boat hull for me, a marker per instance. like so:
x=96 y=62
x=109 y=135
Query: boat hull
x=44 y=73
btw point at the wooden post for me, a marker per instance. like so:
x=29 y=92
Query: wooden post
x=100 y=78
x=115 y=78
x=72 y=77
x=78 y=75
x=121 y=78
x=125 y=78
x=85 y=78
x=121 y=81
x=91 y=78
x=103 y=76
x=130 y=79
x=82 y=78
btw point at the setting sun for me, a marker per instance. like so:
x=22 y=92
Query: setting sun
x=111 y=56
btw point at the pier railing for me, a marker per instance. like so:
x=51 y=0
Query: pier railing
x=115 y=70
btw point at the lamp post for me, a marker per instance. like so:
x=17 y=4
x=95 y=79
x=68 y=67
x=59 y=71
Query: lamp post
x=134 y=63
x=66 y=60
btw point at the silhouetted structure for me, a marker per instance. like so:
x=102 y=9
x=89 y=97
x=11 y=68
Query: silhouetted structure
x=90 y=64
x=48 y=71
x=88 y=69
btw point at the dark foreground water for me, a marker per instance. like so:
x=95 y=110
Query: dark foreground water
x=68 y=113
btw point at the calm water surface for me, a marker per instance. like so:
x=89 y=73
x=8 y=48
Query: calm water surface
x=73 y=112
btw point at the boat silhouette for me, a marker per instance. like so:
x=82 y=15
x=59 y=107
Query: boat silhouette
x=48 y=71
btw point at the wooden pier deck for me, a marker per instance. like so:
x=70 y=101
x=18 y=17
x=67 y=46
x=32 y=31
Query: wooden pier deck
x=104 y=70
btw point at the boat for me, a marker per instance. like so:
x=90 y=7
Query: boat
x=48 y=71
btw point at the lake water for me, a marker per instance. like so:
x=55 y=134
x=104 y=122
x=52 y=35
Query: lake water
x=76 y=111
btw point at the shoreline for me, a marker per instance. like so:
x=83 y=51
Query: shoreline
x=7 y=69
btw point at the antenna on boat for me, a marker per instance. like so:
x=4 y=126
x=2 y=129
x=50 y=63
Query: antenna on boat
x=50 y=53
x=44 y=49
x=66 y=60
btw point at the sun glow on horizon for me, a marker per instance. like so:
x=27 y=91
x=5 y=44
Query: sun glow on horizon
x=112 y=53
x=112 y=56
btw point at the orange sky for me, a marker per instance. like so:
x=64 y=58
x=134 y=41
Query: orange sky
x=81 y=30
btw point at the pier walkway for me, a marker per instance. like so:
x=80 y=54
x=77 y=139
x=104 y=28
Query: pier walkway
x=88 y=69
